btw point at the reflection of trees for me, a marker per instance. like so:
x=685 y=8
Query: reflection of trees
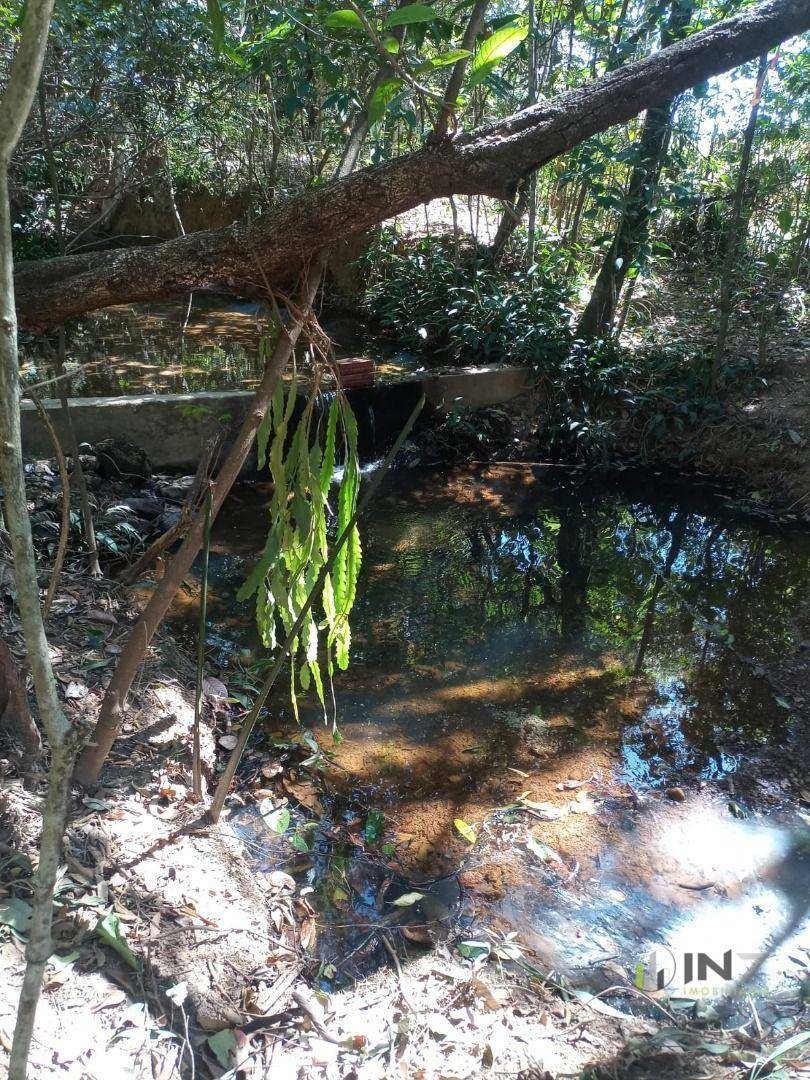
x=573 y=559
x=741 y=581
x=677 y=532
x=473 y=583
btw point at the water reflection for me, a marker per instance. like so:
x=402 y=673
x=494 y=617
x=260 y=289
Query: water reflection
x=202 y=342
x=515 y=636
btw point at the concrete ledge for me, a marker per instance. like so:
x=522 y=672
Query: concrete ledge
x=173 y=428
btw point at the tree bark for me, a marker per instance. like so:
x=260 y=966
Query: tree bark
x=735 y=231
x=15 y=715
x=15 y=105
x=488 y=161
x=600 y=311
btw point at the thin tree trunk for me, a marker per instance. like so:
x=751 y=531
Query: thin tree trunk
x=449 y=104
x=39 y=947
x=514 y=211
x=510 y=219
x=15 y=714
x=625 y=308
x=532 y=222
x=15 y=105
x=111 y=714
x=735 y=230
x=599 y=314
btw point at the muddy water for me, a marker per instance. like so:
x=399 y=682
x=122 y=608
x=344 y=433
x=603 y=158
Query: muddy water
x=202 y=342
x=585 y=677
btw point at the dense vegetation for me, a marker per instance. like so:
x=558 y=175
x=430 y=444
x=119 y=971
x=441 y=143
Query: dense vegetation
x=588 y=152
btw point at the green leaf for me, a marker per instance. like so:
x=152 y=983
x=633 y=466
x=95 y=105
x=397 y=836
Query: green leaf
x=15 y=913
x=792 y=1043
x=345 y=19
x=278 y=820
x=443 y=60
x=785 y=220
x=472 y=950
x=222 y=1043
x=390 y=44
x=262 y=438
x=373 y=828
x=465 y=830
x=380 y=99
x=496 y=48
x=299 y=843
x=110 y=932
x=411 y=13
x=216 y=21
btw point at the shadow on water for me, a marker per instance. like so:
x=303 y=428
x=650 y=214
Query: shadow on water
x=582 y=676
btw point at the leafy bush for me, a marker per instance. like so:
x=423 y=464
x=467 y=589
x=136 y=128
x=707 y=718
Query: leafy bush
x=445 y=300
x=601 y=399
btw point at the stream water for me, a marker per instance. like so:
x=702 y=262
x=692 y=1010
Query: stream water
x=523 y=664
x=203 y=342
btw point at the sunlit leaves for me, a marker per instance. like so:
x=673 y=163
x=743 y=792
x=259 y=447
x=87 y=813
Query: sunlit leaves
x=345 y=19
x=410 y=14
x=496 y=48
x=381 y=98
x=443 y=60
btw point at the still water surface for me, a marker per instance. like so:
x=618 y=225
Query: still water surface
x=517 y=635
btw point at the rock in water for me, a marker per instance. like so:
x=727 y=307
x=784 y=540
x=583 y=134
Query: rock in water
x=119 y=460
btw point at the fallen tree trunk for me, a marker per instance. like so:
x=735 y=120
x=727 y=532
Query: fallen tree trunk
x=489 y=161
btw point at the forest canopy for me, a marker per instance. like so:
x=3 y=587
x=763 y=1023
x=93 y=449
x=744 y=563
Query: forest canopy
x=254 y=108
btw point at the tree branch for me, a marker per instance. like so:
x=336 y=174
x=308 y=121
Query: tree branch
x=489 y=161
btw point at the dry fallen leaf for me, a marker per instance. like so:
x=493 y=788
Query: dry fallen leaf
x=279 y=880
x=214 y=688
x=439 y=1025
x=493 y=999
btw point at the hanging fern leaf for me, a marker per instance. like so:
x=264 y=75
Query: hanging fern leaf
x=300 y=536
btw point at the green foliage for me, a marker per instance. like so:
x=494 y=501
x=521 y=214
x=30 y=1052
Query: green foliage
x=410 y=14
x=301 y=459
x=601 y=398
x=451 y=304
x=496 y=48
x=596 y=398
x=381 y=98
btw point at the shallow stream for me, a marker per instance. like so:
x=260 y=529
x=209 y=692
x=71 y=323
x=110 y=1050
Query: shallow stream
x=587 y=677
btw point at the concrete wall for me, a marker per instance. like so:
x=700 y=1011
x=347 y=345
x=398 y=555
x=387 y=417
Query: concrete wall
x=173 y=428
